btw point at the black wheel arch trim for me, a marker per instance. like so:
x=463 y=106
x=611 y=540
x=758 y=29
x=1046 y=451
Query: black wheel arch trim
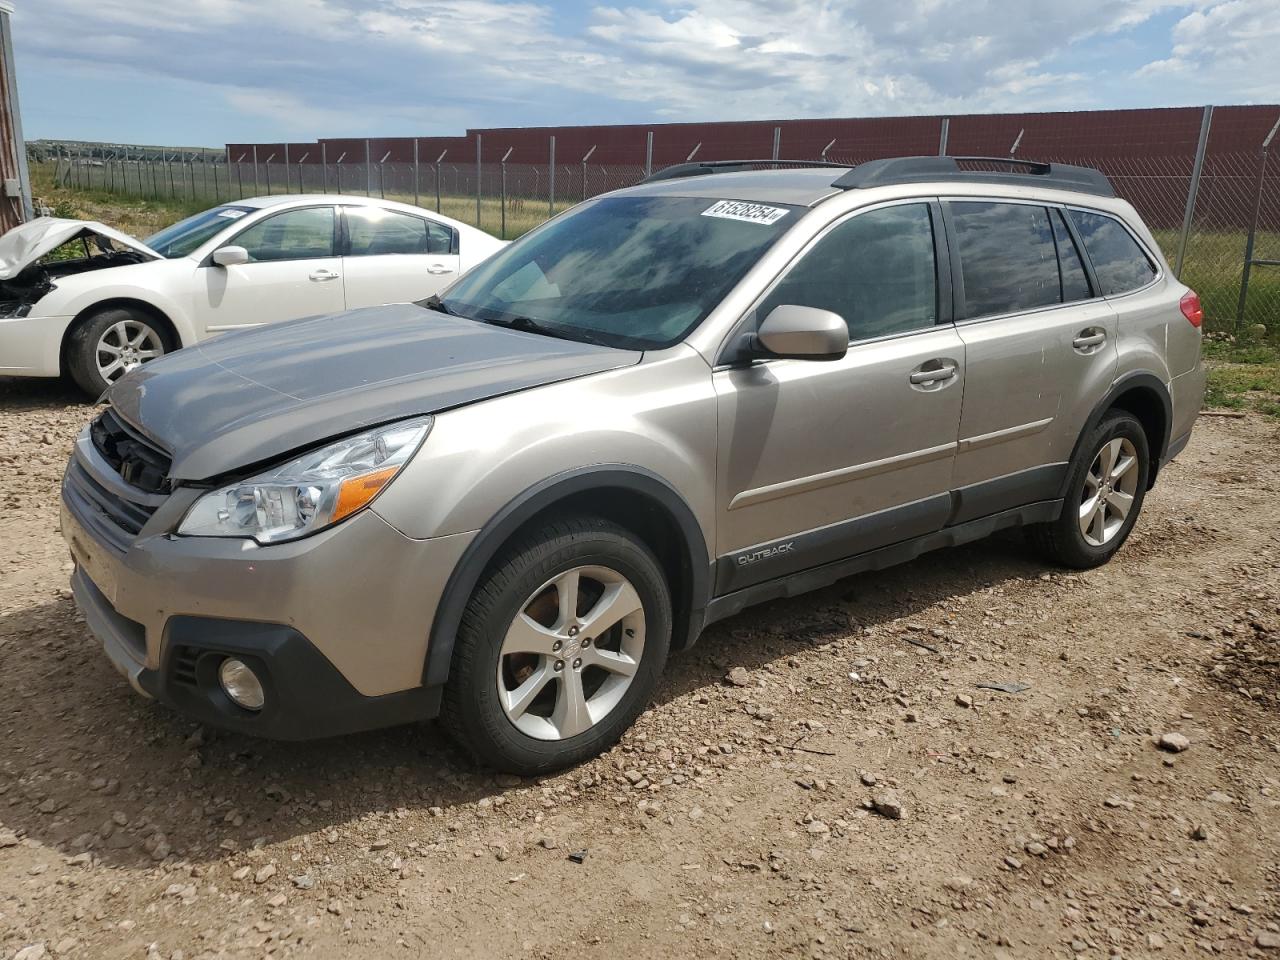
x=538 y=498
x=1141 y=380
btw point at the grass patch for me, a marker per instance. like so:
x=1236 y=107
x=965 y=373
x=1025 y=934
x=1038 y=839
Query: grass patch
x=1243 y=375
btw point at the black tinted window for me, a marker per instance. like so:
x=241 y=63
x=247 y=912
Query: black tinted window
x=1075 y=282
x=1117 y=259
x=1007 y=256
x=876 y=270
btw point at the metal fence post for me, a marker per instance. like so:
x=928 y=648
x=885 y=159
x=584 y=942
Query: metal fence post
x=777 y=143
x=266 y=171
x=337 y=169
x=551 y=180
x=503 y=167
x=1193 y=190
x=1253 y=226
x=286 y=168
x=439 y=160
x=301 y=161
x=943 y=134
x=215 y=181
x=368 y=171
x=255 y=171
x=240 y=176
x=648 y=154
x=1017 y=142
x=416 y=203
x=382 y=175
x=477 y=180
x=823 y=155
x=584 y=170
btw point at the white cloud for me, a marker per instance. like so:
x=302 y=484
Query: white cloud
x=322 y=67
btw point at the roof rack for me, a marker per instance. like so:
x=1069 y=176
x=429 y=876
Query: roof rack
x=702 y=167
x=893 y=170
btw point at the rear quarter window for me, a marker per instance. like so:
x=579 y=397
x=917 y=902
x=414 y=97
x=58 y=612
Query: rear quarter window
x=1119 y=262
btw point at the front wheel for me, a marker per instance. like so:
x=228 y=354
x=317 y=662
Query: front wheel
x=559 y=649
x=1105 y=490
x=110 y=344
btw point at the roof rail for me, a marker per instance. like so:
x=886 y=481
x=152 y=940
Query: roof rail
x=701 y=167
x=894 y=170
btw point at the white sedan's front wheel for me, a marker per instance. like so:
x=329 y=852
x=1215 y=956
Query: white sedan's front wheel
x=111 y=343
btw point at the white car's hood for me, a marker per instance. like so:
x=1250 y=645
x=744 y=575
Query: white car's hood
x=27 y=243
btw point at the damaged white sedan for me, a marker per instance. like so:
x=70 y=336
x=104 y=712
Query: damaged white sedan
x=79 y=298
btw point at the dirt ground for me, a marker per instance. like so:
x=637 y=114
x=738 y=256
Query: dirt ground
x=855 y=792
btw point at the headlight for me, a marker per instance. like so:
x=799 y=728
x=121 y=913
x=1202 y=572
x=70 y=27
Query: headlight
x=310 y=493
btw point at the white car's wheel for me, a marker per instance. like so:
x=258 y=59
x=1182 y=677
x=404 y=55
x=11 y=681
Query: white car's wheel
x=110 y=344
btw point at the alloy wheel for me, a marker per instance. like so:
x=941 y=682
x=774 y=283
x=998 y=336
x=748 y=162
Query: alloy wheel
x=124 y=346
x=1109 y=490
x=571 y=653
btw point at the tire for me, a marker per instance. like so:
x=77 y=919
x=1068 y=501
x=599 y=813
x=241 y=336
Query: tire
x=134 y=336
x=1079 y=541
x=595 y=561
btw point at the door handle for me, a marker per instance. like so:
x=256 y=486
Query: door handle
x=933 y=372
x=439 y=268
x=1087 y=340
x=319 y=276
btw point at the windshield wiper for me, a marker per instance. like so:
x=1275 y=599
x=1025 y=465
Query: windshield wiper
x=434 y=302
x=530 y=325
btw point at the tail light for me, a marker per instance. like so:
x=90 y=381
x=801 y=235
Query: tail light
x=1191 y=308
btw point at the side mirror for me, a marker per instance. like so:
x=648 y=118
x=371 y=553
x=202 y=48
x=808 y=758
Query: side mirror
x=803 y=333
x=230 y=256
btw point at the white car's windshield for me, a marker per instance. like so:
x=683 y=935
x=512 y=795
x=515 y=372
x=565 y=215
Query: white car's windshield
x=185 y=235
x=636 y=272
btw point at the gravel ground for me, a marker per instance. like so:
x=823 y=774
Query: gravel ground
x=820 y=777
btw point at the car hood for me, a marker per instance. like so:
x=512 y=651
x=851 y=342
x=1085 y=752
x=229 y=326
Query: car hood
x=28 y=242
x=256 y=396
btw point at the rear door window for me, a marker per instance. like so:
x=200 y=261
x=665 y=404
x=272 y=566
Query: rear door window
x=1007 y=256
x=876 y=270
x=376 y=231
x=1120 y=264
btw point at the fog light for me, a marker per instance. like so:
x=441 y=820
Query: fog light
x=241 y=684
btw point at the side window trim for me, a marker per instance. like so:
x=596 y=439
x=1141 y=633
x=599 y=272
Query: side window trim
x=942 y=280
x=1094 y=286
x=334 y=248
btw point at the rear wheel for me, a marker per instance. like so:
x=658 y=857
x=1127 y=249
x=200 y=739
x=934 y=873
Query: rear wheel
x=111 y=343
x=1105 y=490
x=560 y=648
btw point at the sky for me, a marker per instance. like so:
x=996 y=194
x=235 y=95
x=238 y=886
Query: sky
x=205 y=72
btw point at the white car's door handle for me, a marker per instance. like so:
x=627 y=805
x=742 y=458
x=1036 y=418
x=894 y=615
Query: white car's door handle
x=319 y=276
x=439 y=268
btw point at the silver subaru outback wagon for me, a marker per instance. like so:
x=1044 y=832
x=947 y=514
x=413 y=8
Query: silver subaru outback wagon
x=506 y=505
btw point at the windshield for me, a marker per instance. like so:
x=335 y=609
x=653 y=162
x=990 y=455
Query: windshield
x=185 y=235
x=634 y=272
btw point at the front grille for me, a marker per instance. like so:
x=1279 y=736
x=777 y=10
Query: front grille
x=139 y=462
x=127 y=515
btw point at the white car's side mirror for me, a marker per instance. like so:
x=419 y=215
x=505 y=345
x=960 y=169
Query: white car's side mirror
x=230 y=256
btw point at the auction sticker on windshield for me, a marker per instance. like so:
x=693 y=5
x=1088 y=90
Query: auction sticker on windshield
x=747 y=212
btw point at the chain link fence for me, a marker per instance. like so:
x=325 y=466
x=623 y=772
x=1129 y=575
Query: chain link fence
x=1216 y=214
